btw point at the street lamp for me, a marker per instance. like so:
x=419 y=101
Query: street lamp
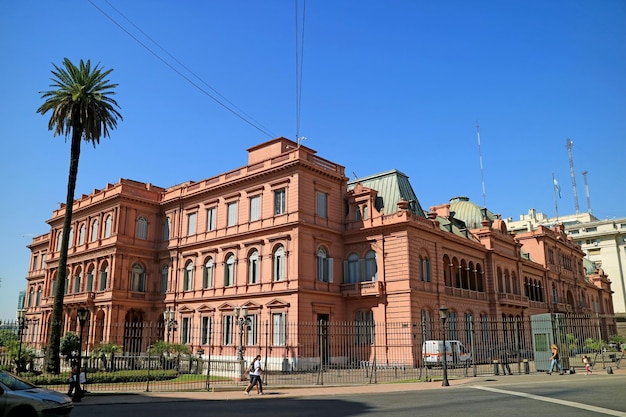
x=170 y=322
x=443 y=313
x=21 y=325
x=82 y=314
x=242 y=320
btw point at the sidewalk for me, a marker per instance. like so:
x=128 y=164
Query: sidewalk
x=317 y=390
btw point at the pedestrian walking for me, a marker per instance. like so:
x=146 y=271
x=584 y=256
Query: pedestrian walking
x=587 y=365
x=504 y=362
x=74 y=381
x=255 y=377
x=555 y=360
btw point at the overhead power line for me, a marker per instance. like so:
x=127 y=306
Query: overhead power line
x=238 y=112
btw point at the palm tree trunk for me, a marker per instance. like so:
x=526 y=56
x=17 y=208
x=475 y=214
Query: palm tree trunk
x=53 y=359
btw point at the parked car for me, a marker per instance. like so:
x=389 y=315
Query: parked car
x=20 y=398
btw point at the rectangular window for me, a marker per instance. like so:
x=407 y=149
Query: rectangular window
x=205 y=331
x=164 y=276
x=279 y=201
x=278 y=329
x=166 y=229
x=210 y=218
x=364 y=327
x=255 y=208
x=35 y=265
x=232 y=214
x=251 y=330
x=191 y=224
x=321 y=204
x=43 y=260
x=228 y=330
x=185 y=331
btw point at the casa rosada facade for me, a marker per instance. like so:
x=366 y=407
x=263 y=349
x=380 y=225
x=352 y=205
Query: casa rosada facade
x=289 y=238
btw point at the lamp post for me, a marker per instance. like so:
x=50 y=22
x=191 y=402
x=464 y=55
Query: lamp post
x=21 y=325
x=443 y=313
x=170 y=322
x=82 y=318
x=241 y=318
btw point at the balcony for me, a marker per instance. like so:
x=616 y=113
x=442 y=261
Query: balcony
x=362 y=289
x=515 y=300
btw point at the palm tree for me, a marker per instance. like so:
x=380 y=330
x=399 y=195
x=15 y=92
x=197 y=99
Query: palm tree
x=81 y=107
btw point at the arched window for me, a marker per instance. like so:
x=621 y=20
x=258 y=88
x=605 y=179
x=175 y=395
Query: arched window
x=59 y=240
x=353 y=268
x=371 y=267
x=507 y=281
x=71 y=239
x=324 y=266
x=108 y=221
x=188 y=277
x=89 y=282
x=142 y=228
x=426 y=270
x=81 y=234
x=229 y=270
x=253 y=267
x=138 y=278
x=447 y=271
x=207 y=273
x=31 y=297
x=77 y=280
x=104 y=276
x=279 y=263
x=38 y=299
x=94 y=230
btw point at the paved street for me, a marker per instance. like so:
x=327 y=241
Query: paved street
x=521 y=395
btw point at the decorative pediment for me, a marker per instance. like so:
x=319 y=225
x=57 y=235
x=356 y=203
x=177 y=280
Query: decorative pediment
x=277 y=303
x=225 y=307
x=205 y=309
x=185 y=310
x=252 y=306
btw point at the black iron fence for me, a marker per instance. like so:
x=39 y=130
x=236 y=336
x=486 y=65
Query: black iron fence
x=146 y=357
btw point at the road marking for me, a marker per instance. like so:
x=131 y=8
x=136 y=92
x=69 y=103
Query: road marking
x=556 y=401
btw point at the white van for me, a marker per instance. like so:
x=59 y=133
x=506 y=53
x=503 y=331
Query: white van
x=432 y=351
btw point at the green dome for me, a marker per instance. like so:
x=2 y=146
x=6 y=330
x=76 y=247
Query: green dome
x=471 y=214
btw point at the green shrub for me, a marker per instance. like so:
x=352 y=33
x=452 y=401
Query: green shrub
x=107 y=377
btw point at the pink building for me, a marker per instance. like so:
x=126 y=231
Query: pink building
x=289 y=239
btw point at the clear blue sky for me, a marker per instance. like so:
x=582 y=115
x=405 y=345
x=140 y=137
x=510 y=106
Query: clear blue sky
x=385 y=84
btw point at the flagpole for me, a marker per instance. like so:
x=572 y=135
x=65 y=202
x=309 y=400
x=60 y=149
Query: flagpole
x=556 y=204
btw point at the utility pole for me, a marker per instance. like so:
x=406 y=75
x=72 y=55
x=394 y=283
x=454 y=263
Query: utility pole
x=569 y=144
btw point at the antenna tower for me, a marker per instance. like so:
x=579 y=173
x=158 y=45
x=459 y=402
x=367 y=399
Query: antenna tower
x=480 y=157
x=569 y=144
x=587 y=192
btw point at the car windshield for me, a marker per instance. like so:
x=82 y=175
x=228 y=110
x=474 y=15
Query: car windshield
x=13 y=382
